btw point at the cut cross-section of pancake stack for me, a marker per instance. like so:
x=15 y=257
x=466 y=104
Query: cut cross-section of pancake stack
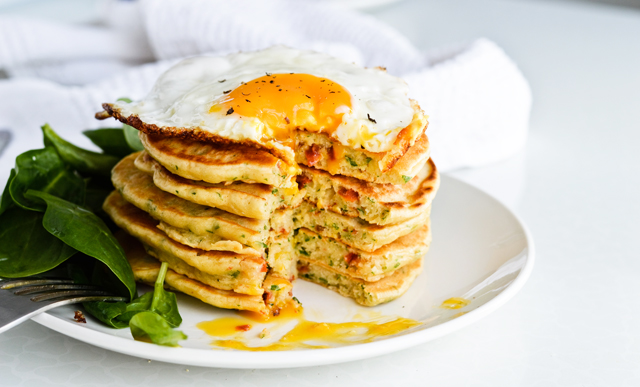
x=363 y=232
x=238 y=217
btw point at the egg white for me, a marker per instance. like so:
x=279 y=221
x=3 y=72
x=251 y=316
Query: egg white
x=183 y=95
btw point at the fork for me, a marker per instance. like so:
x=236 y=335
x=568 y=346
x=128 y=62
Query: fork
x=23 y=298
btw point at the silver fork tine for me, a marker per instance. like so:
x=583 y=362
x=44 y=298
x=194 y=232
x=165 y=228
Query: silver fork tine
x=69 y=293
x=44 y=288
x=32 y=281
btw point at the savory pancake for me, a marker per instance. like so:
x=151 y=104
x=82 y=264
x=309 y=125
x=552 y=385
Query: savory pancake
x=364 y=293
x=217 y=162
x=354 y=232
x=318 y=151
x=220 y=269
x=258 y=201
x=233 y=232
x=146 y=268
x=380 y=204
x=278 y=251
x=369 y=266
x=410 y=150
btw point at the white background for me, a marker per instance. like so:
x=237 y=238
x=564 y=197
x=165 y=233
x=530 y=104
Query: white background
x=577 y=321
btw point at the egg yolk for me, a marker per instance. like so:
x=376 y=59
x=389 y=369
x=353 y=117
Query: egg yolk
x=285 y=102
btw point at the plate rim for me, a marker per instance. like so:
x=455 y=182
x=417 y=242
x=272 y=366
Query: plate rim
x=290 y=359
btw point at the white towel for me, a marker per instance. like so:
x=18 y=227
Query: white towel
x=477 y=99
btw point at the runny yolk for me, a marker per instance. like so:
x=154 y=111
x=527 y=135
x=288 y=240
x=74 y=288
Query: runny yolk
x=284 y=102
x=231 y=332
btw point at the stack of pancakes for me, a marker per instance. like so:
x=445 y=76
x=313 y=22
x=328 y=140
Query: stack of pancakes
x=248 y=181
x=234 y=226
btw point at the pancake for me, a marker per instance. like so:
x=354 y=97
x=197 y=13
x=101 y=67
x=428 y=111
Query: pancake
x=318 y=151
x=215 y=162
x=354 y=232
x=258 y=201
x=233 y=232
x=380 y=204
x=385 y=162
x=364 y=293
x=278 y=253
x=146 y=268
x=220 y=269
x=368 y=266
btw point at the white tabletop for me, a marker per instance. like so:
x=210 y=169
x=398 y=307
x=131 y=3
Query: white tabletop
x=577 y=321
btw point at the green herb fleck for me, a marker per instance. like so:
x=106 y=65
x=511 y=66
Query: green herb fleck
x=304 y=252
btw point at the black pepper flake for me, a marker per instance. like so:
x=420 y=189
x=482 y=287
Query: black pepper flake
x=229 y=111
x=287 y=120
x=371 y=119
x=226 y=92
x=246 y=94
x=268 y=74
x=271 y=81
x=222 y=81
x=307 y=96
x=247 y=100
x=279 y=89
x=322 y=80
x=332 y=92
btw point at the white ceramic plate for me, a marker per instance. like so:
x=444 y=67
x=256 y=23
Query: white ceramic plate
x=481 y=251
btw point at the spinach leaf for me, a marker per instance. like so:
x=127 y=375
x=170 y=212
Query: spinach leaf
x=84 y=231
x=151 y=327
x=165 y=303
x=111 y=140
x=107 y=312
x=136 y=306
x=131 y=135
x=26 y=248
x=5 y=201
x=43 y=170
x=118 y=315
x=81 y=159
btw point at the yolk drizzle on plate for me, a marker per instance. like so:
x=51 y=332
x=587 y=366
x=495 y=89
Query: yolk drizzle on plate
x=305 y=335
x=284 y=102
x=455 y=303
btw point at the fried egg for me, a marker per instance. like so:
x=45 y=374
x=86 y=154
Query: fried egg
x=264 y=96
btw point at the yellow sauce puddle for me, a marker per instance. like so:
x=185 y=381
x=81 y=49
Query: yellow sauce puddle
x=455 y=303
x=305 y=331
